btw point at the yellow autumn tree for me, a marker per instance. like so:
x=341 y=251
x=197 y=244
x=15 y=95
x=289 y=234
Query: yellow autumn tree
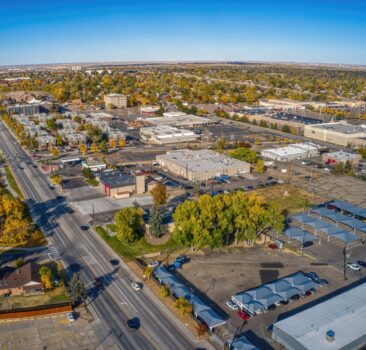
x=83 y=149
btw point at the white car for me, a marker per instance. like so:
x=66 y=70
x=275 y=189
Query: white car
x=136 y=285
x=70 y=316
x=354 y=266
x=153 y=264
x=232 y=305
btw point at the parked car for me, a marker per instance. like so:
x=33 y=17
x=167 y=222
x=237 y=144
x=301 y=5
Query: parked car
x=70 y=316
x=313 y=276
x=307 y=244
x=323 y=282
x=135 y=285
x=153 y=264
x=354 y=266
x=272 y=246
x=97 y=281
x=243 y=315
x=232 y=305
x=361 y=263
x=271 y=307
x=181 y=259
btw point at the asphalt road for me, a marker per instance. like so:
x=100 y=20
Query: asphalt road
x=114 y=302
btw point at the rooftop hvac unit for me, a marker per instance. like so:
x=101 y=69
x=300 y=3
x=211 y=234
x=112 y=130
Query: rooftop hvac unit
x=330 y=336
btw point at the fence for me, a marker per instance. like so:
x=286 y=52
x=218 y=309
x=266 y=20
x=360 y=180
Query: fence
x=36 y=311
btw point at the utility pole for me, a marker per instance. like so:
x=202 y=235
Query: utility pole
x=345 y=256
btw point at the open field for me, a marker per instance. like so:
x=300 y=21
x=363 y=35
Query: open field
x=57 y=295
x=289 y=197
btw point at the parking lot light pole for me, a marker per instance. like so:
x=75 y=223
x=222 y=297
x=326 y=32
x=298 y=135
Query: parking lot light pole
x=345 y=255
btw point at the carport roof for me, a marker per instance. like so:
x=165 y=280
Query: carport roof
x=242 y=343
x=299 y=234
x=303 y=218
x=346 y=236
x=329 y=214
x=206 y=313
x=353 y=209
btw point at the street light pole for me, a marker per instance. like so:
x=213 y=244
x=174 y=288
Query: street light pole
x=345 y=261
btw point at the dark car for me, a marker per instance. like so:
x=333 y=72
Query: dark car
x=133 y=324
x=271 y=307
x=98 y=281
x=323 y=282
x=272 y=246
x=114 y=262
x=307 y=244
x=84 y=227
x=181 y=259
x=361 y=263
x=243 y=315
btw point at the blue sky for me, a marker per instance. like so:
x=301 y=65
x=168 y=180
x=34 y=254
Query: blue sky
x=42 y=31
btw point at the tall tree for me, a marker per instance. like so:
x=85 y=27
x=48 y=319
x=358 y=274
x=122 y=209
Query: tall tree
x=77 y=289
x=129 y=223
x=159 y=194
x=156 y=223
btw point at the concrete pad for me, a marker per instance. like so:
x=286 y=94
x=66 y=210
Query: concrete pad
x=105 y=205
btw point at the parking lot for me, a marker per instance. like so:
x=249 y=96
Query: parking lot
x=49 y=332
x=219 y=275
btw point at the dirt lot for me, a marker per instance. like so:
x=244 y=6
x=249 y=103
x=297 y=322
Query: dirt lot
x=219 y=275
x=325 y=184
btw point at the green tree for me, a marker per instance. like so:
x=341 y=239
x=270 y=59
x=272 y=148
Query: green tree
x=164 y=291
x=220 y=144
x=129 y=223
x=77 y=289
x=19 y=262
x=156 y=223
x=46 y=276
x=51 y=124
x=244 y=154
x=286 y=128
x=183 y=306
x=260 y=166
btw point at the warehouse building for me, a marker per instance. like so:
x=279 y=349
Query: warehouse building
x=334 y=324
x=164 y=134
x=201 y=165
x=180 y=120
x=334 y=158
x=291 y=152
x=340 y=133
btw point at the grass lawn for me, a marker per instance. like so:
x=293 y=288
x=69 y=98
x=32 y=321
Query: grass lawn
x=131 y=250
x=54 y=296
x=294 y=200
x=12 y=183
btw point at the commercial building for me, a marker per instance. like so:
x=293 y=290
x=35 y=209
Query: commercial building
x=149 y=110
x=340 y=133
x=334 y=158
x=101 y=115
x=180 y=120
x=116 y=100
x=201 y=165
x=288 y=104
x=164 y=134
x=94 y=165
x=334 y=324
x=120 y=185
x=291 y=152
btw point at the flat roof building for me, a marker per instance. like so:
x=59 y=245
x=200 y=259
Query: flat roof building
x=334 y=324
x=165 y=134
x=340 y=133
x=334 y=158
x=201 y=165
x=180 y=120
x=27 y=109
x=116 y=100
x=291 y=152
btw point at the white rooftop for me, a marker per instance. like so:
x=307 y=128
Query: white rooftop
x=344 y=155
x=202 y=160
x=344 y=314
x=293 y=150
